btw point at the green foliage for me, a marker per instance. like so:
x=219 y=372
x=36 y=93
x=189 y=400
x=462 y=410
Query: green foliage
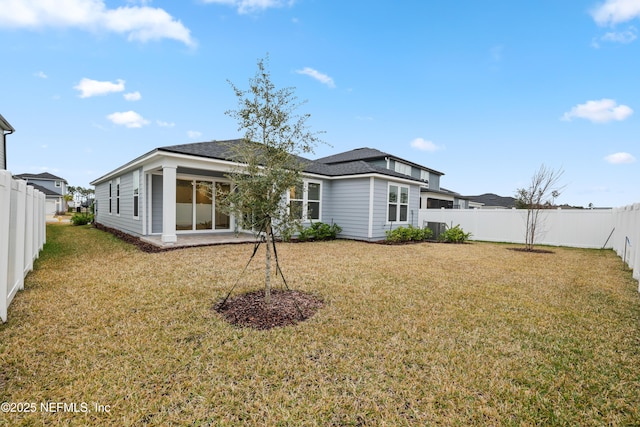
x=269 y=166
x=319 y=231
x=454 y=235
x=82 y=219
x=408 y=234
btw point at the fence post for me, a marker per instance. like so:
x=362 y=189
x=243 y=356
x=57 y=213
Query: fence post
x=29 y=233
x=20 y=226
x=5 y=214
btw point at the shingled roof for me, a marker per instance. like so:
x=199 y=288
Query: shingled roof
x=223 y=150
x=366 y=153
x=44 y=176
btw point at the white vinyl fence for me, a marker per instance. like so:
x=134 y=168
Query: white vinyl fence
x=22 y=235
x=617 y=229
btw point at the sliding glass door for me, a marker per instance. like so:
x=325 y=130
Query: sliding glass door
x=196 y=205
x=204 y=205
x=184 y=205
x=223 y=221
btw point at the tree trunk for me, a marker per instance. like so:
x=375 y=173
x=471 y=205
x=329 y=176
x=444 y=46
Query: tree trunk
x=267 y=279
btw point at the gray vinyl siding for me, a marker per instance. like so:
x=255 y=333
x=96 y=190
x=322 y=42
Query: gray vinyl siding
x=434 y=182
x=125 y=220
x=156 y=203
x=49 y=185
x=380 y=224
x=380 y=209
x=347 y=204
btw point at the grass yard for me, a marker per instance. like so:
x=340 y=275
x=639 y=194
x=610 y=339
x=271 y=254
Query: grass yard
x=427 y=334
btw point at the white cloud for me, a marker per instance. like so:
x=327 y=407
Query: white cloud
x=165 y=124
x=613 y=12
x=89 y=88
x=424 y=145
x=620 y=158
x=130 y=119
x=602 y=111
x=132 y=96
x=321 y=77
x=41 y=75
x=194 y=134
x=140 y=23
x=250 y=6
x=624 y=37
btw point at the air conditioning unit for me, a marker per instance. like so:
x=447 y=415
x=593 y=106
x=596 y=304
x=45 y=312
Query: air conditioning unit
x=437 y=227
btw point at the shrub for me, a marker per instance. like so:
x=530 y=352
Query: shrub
x=408 y=234
x=319 y=231
x=82 y=219
x=454 y=235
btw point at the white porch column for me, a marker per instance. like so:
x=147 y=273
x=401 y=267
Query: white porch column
x=169 y=204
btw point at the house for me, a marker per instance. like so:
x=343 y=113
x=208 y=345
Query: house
x=493 y=201
x=54 y=188
x=5 y=129
x=431 y=194
x=163 y=192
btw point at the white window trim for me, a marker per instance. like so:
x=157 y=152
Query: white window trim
x=135 y=192
x=118 y=191
x=398 y=204
x=402 y=168
x=111 y=197
x=305 y=200
x=424 y=177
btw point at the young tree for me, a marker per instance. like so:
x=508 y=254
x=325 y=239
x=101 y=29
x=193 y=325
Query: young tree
x=541 y=193
x=274 y=136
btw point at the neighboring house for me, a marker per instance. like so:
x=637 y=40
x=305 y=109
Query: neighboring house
x=493 y=201
x=165 y=192
x=5 y=129
x=444 y=199
x=54 y=188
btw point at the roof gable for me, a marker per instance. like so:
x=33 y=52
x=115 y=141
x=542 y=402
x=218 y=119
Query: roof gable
x=4 y=124
x=364 y=153
x=368 y=154
x=45 y=176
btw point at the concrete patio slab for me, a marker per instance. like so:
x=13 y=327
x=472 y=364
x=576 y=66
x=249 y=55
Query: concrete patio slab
x=201 y=239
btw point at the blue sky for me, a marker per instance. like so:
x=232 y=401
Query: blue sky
x=484 y=91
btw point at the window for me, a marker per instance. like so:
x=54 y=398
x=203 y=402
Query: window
x=424 y=176
x=402 y=168
x=136 y=193
x=110 y=193
x=304 y=201
x=58 y=184
x=398 y=203
x=117 y=196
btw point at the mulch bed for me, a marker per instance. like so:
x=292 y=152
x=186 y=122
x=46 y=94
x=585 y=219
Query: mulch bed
x=287 y=308
x=532 y=251
x=143 y=246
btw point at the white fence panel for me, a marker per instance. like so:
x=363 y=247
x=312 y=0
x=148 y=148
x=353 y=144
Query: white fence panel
x=626 y=238
x=556 y=227
x=617 y=229
x=22 y=235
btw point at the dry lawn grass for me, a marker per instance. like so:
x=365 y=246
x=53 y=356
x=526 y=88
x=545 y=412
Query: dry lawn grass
x=426 y=334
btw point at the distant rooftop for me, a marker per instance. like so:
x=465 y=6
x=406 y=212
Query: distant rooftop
x=44 y=176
